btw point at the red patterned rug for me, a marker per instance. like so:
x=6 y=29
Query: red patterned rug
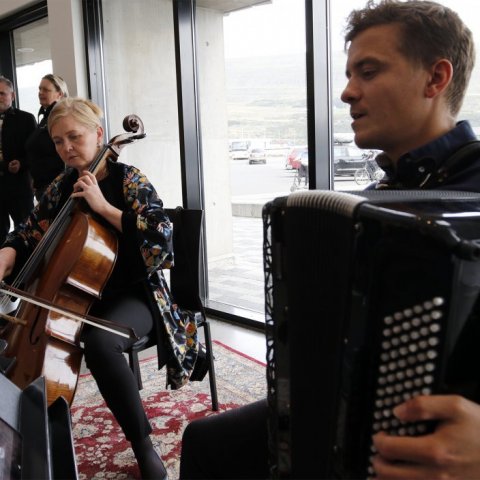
x=101 y=449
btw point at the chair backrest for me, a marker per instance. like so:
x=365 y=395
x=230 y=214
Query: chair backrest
x=184 y=275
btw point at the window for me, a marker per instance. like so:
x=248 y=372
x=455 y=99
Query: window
x=252 y=91
x=33 y=60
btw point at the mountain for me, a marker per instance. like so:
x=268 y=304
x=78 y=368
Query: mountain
x=266 y=97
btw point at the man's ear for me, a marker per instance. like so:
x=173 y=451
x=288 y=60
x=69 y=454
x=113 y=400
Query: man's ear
x=441 y=73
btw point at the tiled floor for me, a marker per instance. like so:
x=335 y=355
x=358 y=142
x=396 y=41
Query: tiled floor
x=238 y=280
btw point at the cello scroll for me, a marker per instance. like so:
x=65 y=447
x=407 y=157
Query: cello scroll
x=133 y=125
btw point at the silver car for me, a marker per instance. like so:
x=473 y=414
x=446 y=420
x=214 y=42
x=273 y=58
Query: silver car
x=257 y=155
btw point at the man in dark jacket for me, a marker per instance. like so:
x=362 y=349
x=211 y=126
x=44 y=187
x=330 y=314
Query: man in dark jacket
x=16 y=194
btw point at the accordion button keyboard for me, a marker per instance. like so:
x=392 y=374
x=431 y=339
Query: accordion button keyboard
x=406 y=366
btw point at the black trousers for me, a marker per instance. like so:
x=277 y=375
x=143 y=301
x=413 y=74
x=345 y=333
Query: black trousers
x=13 y=205
x=229 y=445
x=104 y=357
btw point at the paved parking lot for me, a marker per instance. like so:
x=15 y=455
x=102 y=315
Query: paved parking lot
x=238 y=280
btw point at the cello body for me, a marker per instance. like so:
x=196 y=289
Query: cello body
x=75 y=275
x=71 y=268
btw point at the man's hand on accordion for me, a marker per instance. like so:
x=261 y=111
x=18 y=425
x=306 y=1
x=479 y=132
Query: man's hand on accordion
x=451 y=451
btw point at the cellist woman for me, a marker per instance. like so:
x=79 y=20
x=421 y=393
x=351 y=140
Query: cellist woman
x=136 y=291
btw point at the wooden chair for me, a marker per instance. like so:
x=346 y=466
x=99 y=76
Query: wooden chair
x=185 y=288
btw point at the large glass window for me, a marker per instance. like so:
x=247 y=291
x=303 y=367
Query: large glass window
x=252 y=87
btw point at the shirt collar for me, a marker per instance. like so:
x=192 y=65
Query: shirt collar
x=414 y=168
x=45 y=112
x=8 y=111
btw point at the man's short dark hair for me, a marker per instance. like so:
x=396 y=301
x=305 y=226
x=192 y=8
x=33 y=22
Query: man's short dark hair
x=430 y=32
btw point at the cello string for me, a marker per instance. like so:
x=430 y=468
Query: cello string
x=41 y=249
x=132 y=124
x=52 y=232
x=38 y=254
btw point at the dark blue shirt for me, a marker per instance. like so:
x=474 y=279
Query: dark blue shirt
x=419 y=168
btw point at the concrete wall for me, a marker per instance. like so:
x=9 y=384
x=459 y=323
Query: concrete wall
x=139 y=55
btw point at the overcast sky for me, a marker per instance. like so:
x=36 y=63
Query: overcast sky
x=279 y=27
x=267 y=29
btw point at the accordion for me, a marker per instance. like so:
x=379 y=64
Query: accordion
x=371 y=299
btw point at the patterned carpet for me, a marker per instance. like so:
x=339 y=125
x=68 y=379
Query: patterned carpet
x=101 y=449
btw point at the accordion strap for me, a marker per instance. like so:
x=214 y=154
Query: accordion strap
x=457 y=161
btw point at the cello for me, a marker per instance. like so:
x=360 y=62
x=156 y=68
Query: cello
x=62 y=278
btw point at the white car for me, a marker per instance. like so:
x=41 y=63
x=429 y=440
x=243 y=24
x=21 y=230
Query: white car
x=239 y=150
x=257 y=155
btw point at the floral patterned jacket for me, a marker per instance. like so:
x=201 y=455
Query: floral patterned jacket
x=145 y=223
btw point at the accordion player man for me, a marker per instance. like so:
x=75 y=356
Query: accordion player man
x=408 y=67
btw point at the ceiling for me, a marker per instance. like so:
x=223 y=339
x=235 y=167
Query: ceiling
x=227 y=6
x=32 y=43
x=7 y=7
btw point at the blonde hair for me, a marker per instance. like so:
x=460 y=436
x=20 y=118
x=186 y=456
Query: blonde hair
x=58 y=82
x=83 y=111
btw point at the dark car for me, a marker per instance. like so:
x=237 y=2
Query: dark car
x=347 y=159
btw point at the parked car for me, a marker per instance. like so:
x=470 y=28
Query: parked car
x=239 y=150
x=347 y=159
x=291 y=160
x=257 y=155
